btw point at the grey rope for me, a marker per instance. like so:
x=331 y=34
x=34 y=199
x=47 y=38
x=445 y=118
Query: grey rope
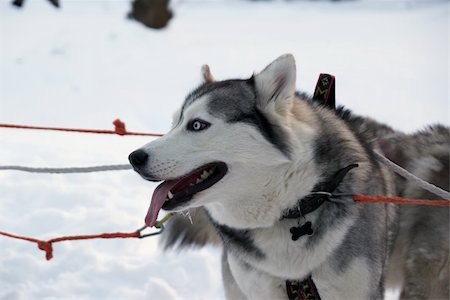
x=413 y=178
x=391 y=165
x=68 y=170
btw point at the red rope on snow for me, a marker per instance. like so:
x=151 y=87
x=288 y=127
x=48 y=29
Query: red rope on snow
x=119 y=128
x=47 y=246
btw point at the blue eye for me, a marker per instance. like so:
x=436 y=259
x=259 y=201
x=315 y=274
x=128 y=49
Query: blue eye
x=197 y=125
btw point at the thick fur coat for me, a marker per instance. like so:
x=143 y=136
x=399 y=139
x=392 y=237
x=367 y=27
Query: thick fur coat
x=279 y=146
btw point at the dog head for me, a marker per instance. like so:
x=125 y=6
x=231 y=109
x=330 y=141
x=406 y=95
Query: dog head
x=226 y=146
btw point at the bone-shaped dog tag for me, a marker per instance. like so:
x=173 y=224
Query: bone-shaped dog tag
x=299 y=231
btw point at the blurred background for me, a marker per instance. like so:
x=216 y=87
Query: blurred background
x=84 y=63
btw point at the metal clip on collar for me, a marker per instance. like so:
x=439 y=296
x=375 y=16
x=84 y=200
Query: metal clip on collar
x=159 y=225
x=141 y=236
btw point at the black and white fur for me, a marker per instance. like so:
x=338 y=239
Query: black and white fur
x=279 y=146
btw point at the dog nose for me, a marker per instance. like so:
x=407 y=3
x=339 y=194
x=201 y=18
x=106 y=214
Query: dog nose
x=138 y=158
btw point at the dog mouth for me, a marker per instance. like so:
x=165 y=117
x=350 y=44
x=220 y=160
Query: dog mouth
x=176 y=192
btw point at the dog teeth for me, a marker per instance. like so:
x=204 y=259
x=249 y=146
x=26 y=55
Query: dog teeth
x=169 y=195
x=205 y=175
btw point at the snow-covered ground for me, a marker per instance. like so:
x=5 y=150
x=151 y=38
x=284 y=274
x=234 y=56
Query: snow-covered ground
x=86 y=64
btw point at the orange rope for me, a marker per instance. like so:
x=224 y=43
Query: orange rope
x=119 y=128
x=47 y=246
x=396 y=200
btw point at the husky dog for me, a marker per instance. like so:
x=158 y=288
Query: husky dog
x=250 y=160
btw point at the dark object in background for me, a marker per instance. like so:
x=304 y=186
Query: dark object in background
x=19 y=3
x=152 y=13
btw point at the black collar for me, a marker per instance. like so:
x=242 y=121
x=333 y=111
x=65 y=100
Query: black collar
x=315 y=199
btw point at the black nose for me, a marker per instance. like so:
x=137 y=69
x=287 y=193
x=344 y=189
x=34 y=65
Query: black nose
x=138 y=158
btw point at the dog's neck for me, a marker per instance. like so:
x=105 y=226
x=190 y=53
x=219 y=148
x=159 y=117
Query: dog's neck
x=272 y=196
x=321 y=193
x=274 y=207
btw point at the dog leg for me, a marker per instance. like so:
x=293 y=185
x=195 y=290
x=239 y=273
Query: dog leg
x=421 y=267
x=232 y=290
x=254 y=283
x=426 y=266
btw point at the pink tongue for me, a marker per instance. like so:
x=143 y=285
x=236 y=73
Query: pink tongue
x=158 y=199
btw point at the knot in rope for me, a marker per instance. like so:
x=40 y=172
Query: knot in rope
x=47 y=247
x=119 y=127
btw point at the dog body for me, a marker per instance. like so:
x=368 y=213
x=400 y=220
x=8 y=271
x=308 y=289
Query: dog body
x=241 y=153
x=420 y=262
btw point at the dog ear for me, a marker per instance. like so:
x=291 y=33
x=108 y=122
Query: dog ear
x=276 y=83
x=207 y=76
x=176 y=117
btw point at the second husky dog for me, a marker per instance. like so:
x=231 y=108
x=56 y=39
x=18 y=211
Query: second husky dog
x=253 y=161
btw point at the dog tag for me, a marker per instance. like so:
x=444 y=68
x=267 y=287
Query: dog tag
x=299 y=231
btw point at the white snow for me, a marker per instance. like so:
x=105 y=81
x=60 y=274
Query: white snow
x=84 y=65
